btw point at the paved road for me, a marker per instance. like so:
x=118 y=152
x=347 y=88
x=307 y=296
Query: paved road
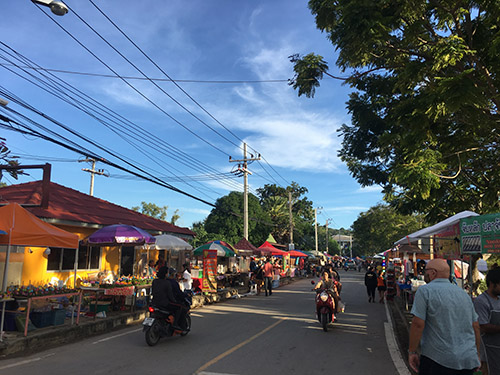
x=254 y=335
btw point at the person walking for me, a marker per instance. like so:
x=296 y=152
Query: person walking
x=187 y=280
x=445 y=324
x=371 y=284
x=487 y=306
x=381 y=286
x=268 y=277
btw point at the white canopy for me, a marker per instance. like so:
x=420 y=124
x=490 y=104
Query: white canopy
x=169 y=242
x=436 y=228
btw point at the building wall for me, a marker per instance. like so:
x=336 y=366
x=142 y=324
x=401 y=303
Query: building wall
x=30 y=267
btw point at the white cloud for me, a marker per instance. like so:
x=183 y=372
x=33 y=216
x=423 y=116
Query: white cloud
x=370 y=189
x=195 y=210
x=347 y=208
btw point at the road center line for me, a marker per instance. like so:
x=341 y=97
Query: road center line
x=27 y=361
x=234 y=348
x=115 y=336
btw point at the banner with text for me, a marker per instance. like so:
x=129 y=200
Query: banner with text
x=480 y=234
x=209 y=281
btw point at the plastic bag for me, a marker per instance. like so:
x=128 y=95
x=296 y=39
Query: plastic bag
x=341 y=307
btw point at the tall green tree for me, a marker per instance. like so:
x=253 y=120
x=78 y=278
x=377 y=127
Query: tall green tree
x=226 y=219
x=425 y=121
x=378 y=228
x=302 y=212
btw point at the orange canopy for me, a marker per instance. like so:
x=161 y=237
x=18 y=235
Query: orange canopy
x=27 y=230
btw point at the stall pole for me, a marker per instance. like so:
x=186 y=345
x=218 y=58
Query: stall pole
x=5 y=273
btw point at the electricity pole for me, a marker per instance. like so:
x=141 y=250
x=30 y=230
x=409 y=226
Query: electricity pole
x=93 y=172
x=242 y=169
x=316 y=226
x=327 y=237
x=290 y=246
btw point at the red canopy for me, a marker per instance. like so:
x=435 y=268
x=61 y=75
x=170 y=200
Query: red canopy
x=269 y=249
x=296 y=253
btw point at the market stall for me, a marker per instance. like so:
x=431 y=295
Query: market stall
x=227 y=272
x=24 y=229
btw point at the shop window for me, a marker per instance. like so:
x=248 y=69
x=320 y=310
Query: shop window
x=54 y=259
x=61 y=259
x=88 y=257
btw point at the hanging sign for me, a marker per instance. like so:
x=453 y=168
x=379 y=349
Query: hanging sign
x=209 y=281
x=480 y=234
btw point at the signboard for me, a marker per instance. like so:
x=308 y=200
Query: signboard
x=446 y=244
x=480 y=234
x=209 y=281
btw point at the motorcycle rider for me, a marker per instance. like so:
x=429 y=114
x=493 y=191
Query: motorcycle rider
x=179 y=298
x=330 y=285
x=163 y=295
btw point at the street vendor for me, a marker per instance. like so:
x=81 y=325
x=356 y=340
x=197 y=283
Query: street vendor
x=487 y=306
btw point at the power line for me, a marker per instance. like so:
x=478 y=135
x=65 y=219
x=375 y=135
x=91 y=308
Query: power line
x=161 y=70
x=134 y=88
x=89 y=74
x=175 y=83
x=60 y=90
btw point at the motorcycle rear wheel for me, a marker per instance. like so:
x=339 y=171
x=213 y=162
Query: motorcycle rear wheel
x=324 y=321
x=188 y=326
x=153 y=334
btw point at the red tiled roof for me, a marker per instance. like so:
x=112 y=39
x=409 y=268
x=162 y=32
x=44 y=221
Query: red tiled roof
x=71 y=205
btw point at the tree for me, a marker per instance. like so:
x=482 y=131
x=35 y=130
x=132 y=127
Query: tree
x=302 y=212
x=157 y=212
x=378 y=228
x=152 y=210
x=226 y=219
x=7 y=158
x=202 y=236
x=425 y=121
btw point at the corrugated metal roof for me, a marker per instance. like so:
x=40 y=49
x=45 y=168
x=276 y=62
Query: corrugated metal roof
x=66 y=204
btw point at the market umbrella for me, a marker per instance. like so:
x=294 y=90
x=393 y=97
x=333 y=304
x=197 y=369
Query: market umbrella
x=169 y=242
x=2 y=232
x=120 y=234
x=223 y=249
x=296 y=253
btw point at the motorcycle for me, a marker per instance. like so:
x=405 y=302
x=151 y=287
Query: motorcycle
x=325 y=310
x=160 y=323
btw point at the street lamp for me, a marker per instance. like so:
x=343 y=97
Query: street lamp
x=57 y=7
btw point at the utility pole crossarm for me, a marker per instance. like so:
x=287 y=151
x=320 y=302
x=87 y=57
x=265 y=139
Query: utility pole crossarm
x=245 y=172
x=93 y=172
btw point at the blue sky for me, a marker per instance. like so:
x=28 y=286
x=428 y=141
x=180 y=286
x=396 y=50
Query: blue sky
x=211 y=42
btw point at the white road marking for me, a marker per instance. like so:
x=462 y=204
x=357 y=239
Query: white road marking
x=213 y=373
x=115 y=336
x=393 y=347
x=27 y=361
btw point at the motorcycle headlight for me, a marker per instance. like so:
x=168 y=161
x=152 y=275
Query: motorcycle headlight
x=324 y=296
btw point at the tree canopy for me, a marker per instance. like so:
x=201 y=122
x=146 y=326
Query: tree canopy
x=274 y=200
x=223 y=221
x=153 y=210
x=378 y=228
x=425 y=122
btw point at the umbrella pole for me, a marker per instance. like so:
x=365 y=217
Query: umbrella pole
x=76 y=266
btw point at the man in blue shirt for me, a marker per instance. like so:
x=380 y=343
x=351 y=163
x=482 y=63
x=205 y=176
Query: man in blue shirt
x=445 y=324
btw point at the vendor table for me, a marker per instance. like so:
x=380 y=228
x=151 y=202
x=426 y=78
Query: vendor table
x=117 y=291
x=48 y=296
